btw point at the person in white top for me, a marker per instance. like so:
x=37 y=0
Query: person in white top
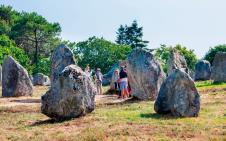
x=87 y=70
x=114 y=79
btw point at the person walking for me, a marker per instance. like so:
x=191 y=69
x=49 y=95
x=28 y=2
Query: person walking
x=99 y=79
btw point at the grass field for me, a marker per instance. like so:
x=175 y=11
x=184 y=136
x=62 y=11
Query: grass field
x=125 y=121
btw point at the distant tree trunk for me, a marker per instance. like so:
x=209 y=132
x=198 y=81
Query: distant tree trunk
x=36 y=48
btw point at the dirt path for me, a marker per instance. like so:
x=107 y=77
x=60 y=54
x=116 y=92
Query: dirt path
x=31 y=101
x=24 y=101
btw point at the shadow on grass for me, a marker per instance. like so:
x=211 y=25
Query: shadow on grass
x=121 y=102
x=43 y=122
x=158 y=116
x=49 y=121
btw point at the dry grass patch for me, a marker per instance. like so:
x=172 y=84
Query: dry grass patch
x=115 y=122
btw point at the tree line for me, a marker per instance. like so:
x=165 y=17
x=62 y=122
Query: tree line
x=30 y=39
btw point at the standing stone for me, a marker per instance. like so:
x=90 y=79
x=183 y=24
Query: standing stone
x=72 y=92
x=178 y=96
x=15 y=79
x=202 y=70
x=176 y=61
x=145 y=74
x=219 y=67
x=192 y=74
x=41 y=79
x=0 y=75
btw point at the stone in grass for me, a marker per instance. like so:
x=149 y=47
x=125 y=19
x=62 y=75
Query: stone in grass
x=202 y=70
x=72 y=92
x=219 y=67
x=41 y=79
x=15 y=79
x=76 y=95
x=145 y=74
x=176 y=61
x=178 y=96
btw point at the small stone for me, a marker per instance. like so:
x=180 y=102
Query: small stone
x=202 y=70
x=41 y=79
x=176 y=61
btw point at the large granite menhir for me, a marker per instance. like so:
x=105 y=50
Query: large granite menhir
x=145 y=74
x=72 y=92
x=15 y=79
x=176 y=61
x=178 y=96
x=219 y=67
x=202 y=70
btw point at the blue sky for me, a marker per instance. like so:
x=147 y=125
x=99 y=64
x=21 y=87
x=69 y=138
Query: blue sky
x=197 y=24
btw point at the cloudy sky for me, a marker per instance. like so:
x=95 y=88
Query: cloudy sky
x=197 y=24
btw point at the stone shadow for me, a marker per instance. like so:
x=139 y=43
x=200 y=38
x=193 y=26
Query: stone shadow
x=158 y=116
x=27 y=101
x=121 y=101
x=45 y=122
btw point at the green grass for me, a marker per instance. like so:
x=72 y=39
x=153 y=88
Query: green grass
x=128 y=121
x=209 y=83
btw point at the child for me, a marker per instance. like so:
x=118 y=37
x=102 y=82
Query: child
x=115 y=78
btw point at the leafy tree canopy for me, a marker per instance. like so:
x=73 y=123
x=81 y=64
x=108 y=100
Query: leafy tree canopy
x=100 y=53
x=163 y=52
x=7 y=47
x=131 y=35
x=213 y=51
x=32 y=33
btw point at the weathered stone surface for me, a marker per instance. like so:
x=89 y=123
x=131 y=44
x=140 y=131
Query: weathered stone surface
x=192 y=74
x=108 y=75
x=178 y=96
x=15 y=79
x=75 y=97
x=176 y=61
x=202 y=70
x=219 y=67
x=41 y=79
x=31 y=78
x=145 y=74
x=72 y=92
x=0 y=75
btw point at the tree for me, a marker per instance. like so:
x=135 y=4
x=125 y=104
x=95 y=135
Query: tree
x=213 y=51
x=131 y=35
x=7 y=18
x=100 y=53
x=32 y=32
x=8 y=47
x=163 y=52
